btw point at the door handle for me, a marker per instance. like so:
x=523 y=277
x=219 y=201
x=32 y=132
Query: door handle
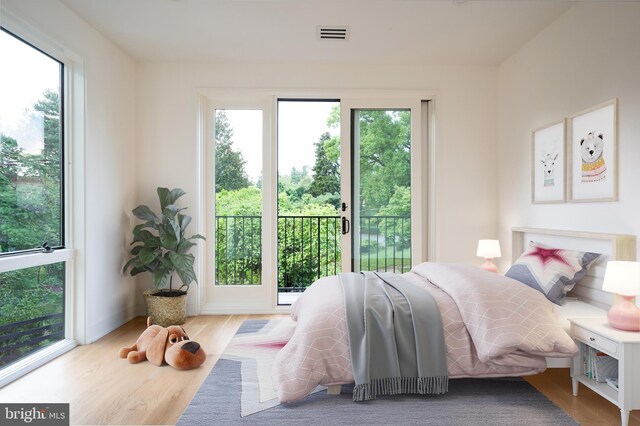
x=346 y=226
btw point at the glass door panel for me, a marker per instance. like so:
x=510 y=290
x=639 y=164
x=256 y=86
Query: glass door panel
x=238 y=205
x=308 y=194
x=381 y=190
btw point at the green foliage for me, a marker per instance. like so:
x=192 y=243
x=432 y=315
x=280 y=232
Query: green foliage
x=230 y=172
x=309 y=231
x=28 y=294
x=30 y=185
x=385 y=157
x=159 y=243
x=399 y=207
x=245 y=201
x=326 y=173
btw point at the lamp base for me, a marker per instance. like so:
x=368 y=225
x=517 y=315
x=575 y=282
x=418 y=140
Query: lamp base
x=625 y=315
x=489 y=265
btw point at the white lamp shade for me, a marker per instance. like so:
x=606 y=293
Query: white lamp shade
x=488 y=249
x=622 y=277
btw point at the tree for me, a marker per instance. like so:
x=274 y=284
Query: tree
x=49 y=107
x=47 y=169
x=230 y=165
x=385 y=157
x=30 y=185
x=326 y=173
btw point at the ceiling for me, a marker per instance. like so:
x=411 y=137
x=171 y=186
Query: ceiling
x=441 y=32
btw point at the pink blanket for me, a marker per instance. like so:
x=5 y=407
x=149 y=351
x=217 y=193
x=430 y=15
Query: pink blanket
x=493 y=326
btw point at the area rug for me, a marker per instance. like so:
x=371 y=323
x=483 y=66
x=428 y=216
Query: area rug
x=239 y=390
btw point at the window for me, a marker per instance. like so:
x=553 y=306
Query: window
x=33 y=260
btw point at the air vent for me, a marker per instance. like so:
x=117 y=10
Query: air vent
x=333 y=32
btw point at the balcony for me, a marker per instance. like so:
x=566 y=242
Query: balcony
x=308 y=248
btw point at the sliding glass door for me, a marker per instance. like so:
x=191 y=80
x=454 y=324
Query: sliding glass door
x=307 y=188
x=383 y=184
x=381 y=190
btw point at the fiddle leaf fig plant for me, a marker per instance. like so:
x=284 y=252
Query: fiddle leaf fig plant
x=160 y=245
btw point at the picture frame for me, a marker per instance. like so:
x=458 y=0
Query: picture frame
x=548 y=151
x=592 y=153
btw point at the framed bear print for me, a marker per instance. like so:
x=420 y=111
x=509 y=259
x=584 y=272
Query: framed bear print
x=593 y=154
x=548 y=163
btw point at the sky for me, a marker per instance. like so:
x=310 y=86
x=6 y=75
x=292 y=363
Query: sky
x=300 y=125
x=22 y=83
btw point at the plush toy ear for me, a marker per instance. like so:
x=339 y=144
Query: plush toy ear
x=155 y=351
x=581 y=142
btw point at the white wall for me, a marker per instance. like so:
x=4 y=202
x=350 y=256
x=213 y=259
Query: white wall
x=465 y=146
x=589 y=55
x=110 y=159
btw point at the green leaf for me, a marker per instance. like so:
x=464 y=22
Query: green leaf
x=161 y=277
x=145 y=213
x=171 y=211
x=130 y=263
x=185 y=246
x=184 y=267
x=147 y=239
x=169 y=197
x=168 y=238
x=135 y=271
x=184 y=221
x=147 y=255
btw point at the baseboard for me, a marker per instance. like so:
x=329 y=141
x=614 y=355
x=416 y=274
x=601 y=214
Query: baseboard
x=239 y=310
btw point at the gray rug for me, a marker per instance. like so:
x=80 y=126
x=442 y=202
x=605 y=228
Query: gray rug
x=468 y=402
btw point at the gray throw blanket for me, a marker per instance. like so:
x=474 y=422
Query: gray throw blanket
x=396 y=337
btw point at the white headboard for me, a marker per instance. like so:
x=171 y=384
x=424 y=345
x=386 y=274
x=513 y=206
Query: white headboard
x=612 y=247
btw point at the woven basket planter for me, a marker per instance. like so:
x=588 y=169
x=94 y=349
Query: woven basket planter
x=165 y=311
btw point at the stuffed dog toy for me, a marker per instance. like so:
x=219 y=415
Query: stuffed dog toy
x=170 y=345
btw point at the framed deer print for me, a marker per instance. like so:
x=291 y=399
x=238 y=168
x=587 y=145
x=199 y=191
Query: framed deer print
x=593 y=154
x=548 y=163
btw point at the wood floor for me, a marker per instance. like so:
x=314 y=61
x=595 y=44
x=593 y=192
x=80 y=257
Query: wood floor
x=103 y=389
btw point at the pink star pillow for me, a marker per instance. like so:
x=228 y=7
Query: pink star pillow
x=552 y=271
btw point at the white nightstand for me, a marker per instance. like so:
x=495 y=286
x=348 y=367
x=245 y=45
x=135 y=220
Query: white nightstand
x=621 y=345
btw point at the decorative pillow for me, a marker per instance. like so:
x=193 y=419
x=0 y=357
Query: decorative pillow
x=554 y=272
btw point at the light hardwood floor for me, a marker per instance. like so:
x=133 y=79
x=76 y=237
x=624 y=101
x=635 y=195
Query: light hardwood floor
x=103 y=389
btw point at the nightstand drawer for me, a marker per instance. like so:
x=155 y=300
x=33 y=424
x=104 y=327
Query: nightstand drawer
x=595 y=340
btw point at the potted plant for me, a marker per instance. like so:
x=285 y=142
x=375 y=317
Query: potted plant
x=161 y=248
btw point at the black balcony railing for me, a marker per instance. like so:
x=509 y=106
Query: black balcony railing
x=384 y=244
x=308 y=248
x=19 y=339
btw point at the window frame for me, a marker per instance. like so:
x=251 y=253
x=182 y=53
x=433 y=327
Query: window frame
x=72 y=128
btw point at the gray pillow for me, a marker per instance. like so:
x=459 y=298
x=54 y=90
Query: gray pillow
x=552 y=271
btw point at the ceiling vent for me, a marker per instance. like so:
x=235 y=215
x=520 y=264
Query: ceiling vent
x=333 y=32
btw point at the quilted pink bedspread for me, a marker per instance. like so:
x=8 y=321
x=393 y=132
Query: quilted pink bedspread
x=493 y=326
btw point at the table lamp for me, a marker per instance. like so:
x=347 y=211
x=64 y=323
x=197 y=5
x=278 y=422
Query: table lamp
x=489 y=249
x=623 y=278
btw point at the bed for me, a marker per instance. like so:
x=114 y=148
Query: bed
x=318 y=352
